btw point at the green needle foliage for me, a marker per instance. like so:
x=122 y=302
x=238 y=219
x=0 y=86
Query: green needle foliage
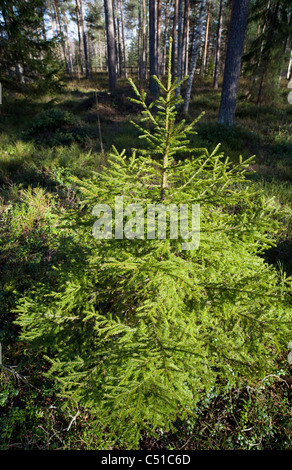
x=137 y=330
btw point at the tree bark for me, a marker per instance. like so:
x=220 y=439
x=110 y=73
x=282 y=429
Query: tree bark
x=285 y=50
x=123 y=38
x=266 y=57
x=204 y=59
x=158 y=37
x=111 y=44
x=153 y=87
x=60 y=33
x=79 y=36
x=179 y=44
x=174 y=40
x=236 y=36
x=165 y=36
x=144 y=40
x=139 y=37
x=218 y=46
x=67 y=45
x=119 y=45
x=100 y=53
x=186 y=33
x=195 y=51
x=82 y=23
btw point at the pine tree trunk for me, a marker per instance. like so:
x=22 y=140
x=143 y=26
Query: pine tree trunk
x=285 y=51
x=84 y=39
x=165 y=36
x=186 y=33
x=119 y=46
x=60 y=34
x=111 y=44
x=139 y=37
x=179 y=44
x=144 y=40
x=204 y=59
x=266 y=58
x=174 y=39
x=147 y=67
x=79 y=37
x=123 y=38
x=158 y=37
x=236 y=36
x=195 y=51
x=55 y=8
x=260 y=31
x=55 y=28
x=100 y=53
x=218 y=46
x=67 y=45
x=153 y=46
x=117 y=38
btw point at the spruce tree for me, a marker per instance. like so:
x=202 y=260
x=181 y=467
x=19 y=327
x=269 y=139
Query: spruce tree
x=27 y=57
x=138 y=329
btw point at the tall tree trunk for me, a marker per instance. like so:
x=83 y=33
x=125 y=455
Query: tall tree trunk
x=117 y=37
x=174 y=40
x=195 y=50
x=285 y=50
x=144 y=41
x=84 y=39
x=218 y=45
x=77 y=10
x=158 y=37
x=69 y=55
x=100 y=53
x=153 y=87
x=204 y=59
x=236 y=36
x=139 y=40
x=60 y=33
x=111 y=44
x=260 y=31
x=179 y=44
x=54 y=29
x=186 y=33
x=56 y=13
x=147 y=67
x=119 y=45
x=165 y=36
x=266 y=57
x=123 y=37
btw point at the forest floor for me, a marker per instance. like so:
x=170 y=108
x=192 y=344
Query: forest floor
x=46 y=140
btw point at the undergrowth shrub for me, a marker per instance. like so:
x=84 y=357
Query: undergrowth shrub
x=246 y=418
x=138 y=330
x=55 y=127
x=28 y=228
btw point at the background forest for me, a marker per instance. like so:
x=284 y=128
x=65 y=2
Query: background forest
x=134 y=344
